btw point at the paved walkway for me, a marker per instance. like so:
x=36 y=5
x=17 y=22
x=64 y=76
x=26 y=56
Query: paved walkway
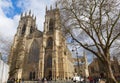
x=102 y=81
x=49 y=82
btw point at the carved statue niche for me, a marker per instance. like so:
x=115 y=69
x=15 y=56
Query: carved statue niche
x=50 y=42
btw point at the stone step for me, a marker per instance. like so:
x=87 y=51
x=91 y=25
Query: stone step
x=48 y=82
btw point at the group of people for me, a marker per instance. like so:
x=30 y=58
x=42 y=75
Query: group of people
x=93 y=79
x=44 y=80
x=13 y=80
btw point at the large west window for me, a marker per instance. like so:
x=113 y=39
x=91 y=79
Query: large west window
x=34 y=53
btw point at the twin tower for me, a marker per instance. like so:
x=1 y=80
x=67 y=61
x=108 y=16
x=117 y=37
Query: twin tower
x=35 y=54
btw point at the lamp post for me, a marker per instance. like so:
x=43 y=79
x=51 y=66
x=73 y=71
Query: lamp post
x=78 y=64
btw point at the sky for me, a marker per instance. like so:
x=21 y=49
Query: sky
x=10 y=11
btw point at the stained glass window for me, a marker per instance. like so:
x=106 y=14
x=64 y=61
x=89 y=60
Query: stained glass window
x=34 y=53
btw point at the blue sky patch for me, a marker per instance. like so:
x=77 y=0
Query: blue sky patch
x=13 y=11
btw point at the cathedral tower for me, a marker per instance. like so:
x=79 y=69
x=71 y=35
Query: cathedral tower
x=27 y=25
x=54 y=59
x=24 y=41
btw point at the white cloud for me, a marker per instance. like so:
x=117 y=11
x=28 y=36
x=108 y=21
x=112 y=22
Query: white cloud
x=5 y=3
x=38 y=9
x=7 y=25
x=53 y=1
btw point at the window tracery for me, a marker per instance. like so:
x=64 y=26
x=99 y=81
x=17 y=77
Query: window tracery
x=34 y=53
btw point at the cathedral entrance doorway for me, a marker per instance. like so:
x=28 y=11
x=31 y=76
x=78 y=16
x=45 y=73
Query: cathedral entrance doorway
x=48 y=66
x=32 y=76
x=48 y=59
x=48 y=74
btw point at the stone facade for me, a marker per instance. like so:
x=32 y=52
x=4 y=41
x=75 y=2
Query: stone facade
x=35 y=54
x=81 y=68
x=96 y=69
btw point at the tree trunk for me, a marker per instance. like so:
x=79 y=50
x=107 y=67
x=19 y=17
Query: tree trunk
x=109 y=74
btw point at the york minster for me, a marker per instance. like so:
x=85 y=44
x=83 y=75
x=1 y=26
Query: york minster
x=35 y=54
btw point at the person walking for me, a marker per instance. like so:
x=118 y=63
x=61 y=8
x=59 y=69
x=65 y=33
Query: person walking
x=22 y=81
x=9 y=80
x=45 y=80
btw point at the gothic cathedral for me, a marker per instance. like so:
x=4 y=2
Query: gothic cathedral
x=35 y=54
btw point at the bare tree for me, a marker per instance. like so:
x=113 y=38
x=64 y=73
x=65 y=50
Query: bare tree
x=116 y=49
x=5 y=44
x=92 y=24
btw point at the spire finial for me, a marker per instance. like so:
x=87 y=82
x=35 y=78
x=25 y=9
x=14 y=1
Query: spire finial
x=56 y=4
x=35 y=18
x=21 y=15
x=29 y=12
x=25 y=14
x=46 y=7
x=51 y=7
x=32 y=15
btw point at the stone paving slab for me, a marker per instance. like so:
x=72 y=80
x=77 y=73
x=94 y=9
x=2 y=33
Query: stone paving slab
x=48 y=82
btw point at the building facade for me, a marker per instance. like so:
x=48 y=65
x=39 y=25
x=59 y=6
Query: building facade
x=35 y=54
x=96 y=69
x=81 y=68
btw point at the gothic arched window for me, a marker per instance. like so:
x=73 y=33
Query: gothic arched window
x=23 y=29
x=50 y=42
x=34 y=53
x=31 y=29
x=51 y=25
